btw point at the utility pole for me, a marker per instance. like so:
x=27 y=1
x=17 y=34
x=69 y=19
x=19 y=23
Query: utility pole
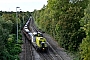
x=17 y=22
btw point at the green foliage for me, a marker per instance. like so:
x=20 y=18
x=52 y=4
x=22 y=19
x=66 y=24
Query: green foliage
x=61 y=20
x=3 y=36
x=85 y=45
x=10 y=20
x=9 y=49
x=20 y=41
x=85 y=49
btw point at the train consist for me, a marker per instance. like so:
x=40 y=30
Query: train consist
x=36 y=38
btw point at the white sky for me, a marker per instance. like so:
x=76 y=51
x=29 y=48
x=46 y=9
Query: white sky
x=25 y=5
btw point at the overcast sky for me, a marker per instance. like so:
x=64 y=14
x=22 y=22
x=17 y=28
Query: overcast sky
x=25 y=5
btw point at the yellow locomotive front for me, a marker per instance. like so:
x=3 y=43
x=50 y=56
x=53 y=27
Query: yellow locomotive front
x=41 y=43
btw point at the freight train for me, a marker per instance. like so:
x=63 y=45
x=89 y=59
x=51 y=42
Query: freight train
x=36 y=38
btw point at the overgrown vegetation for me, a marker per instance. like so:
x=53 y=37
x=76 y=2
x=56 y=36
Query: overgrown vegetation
x=85 y=46
x=9 y=47
x=68 y=23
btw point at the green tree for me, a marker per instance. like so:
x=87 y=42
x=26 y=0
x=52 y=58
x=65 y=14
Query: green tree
x=3 y=36
x=85 y=45
x=61 y=20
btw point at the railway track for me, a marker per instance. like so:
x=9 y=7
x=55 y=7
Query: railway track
x=54 y=53
x=28 y=50
x=45 y=56
x=51 y=54
x=32 y=54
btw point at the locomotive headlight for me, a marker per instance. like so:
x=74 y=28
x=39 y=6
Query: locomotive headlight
x=43 y=48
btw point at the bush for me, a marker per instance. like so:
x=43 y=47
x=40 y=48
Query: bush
x=85 y=49
x=20 y=41
x=16 y=57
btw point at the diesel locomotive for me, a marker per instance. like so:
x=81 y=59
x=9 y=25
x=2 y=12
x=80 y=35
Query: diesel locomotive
x=36 y=38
